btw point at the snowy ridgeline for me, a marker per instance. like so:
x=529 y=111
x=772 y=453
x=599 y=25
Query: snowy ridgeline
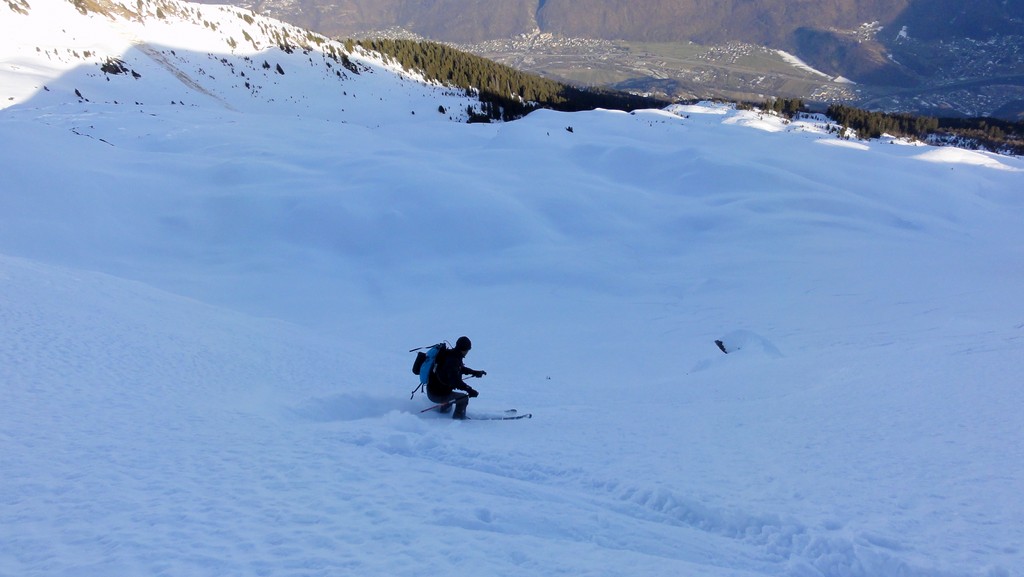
x=161 y=52
x=205 y=311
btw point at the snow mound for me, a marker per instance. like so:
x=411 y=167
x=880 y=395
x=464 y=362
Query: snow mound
x=747 y=342
x=949 y=155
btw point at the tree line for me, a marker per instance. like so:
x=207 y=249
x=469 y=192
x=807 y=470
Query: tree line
x=875 y=124
x=990 y=133
x=504 y=92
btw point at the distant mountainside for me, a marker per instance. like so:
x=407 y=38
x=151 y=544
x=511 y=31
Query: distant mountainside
x=950 y=19
x=769 y=22
x=819 y=31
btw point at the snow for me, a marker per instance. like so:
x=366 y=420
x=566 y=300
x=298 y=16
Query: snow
x=853 y=145
x=796 y=62
x=206 y=309
x=954 y=156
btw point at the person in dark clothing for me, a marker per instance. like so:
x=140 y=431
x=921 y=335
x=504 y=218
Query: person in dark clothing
x=447 y=379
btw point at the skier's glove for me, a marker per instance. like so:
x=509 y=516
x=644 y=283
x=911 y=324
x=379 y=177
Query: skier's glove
x=472 y=393
x=479 y=374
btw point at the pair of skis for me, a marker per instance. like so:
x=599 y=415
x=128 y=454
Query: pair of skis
x=509 y=415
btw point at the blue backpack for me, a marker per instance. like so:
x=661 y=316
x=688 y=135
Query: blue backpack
x=426 y=363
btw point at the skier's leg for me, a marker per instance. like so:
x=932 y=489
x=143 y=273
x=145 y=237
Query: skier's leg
x=453 y=399
x=460 y=406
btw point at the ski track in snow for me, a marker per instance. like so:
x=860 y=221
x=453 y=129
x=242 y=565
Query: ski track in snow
x=225 y=481
x=648 y=521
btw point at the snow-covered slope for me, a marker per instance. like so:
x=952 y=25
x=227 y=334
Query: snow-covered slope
x=165 y=52
x=205 y=309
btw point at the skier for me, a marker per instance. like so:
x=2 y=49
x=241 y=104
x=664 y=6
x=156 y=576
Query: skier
x=448 y=378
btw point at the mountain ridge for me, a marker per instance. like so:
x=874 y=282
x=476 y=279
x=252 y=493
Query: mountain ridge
x=228 y=55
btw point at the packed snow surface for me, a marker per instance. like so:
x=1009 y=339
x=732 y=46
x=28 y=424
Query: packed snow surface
x=208 y=292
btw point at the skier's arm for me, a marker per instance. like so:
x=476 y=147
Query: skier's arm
x=469 y=371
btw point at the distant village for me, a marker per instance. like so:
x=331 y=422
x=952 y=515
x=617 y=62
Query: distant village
x=956 y=85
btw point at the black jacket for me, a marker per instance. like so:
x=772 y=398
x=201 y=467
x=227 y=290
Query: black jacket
x=447 y=376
